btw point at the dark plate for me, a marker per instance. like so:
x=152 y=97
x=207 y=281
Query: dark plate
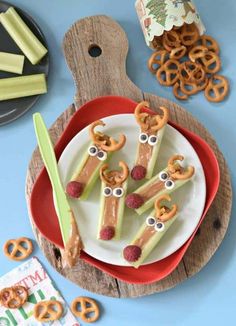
x=10 y=110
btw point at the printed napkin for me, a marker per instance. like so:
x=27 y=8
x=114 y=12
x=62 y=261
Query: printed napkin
x=40 y=287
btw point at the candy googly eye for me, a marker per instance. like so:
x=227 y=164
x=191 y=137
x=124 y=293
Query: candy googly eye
x=159 y=227
x=150 y=221
x=107 y=191
x=152 y=140
x=118 y=192
x=143 y=138
x=163 y=176
x=169 y=184
x=92 y=150
x=102 y=156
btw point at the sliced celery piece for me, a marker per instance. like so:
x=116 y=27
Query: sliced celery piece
x=120 y=215
x=153 y=241
x=148 y=204
x=33 y=49
x=11 y=62
x=22 y=86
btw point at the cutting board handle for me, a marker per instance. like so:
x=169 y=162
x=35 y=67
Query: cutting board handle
x=95 y=49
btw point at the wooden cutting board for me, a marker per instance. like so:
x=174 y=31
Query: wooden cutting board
x=95 y=49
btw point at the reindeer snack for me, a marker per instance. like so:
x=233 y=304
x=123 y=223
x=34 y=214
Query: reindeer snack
x=98 y=152
x=165 y=182
x=152 y=130
x=113 y=192
x=151 y=232
x=174 y=30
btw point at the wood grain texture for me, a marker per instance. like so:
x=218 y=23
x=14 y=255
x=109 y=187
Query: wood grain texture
x=106 y=75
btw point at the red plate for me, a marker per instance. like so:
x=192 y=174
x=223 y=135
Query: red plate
x=41 y=201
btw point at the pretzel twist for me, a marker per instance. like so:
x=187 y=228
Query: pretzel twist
x=198 y=51
x=210 y=43
x=46 y=311
x=15 y=250
x=114 y=177
x=217 y=88
x=162 y=212
x=157 y=59
x=178 y=53
x=87 y=306
x=211 y=62
x=168 y=74
x=189 y=34
x=13 y=297
x=176 y=171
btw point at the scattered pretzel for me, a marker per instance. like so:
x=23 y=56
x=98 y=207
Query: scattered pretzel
x=197 y=52
x=86 y=307
x=210 y=43
x=217 y=88
x=157 y=59
x=211 y=62
x=46 y=311
x=18 y=249
x=196 y=56
x=178 y=93
x=189 y=34
x=168 y=74
x=178 y=53
x=13 y=297
x=171 y=40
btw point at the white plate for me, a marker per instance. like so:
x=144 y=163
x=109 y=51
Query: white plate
x=190 y=198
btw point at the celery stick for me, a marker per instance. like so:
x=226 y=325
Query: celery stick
x=22 y=35
x=22 y=86
x=11 y=62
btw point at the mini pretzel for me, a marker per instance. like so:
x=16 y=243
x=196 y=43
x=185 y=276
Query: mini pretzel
x=114 y=177
x=178 y=53
x=217 y=88
x=197 y=52
x=18 y=251
x=211 y=62
x=176 y=171
x=177 y=92
x=157 y=59
x=162 y=212
x=210 y=43
x=13 y=297
x=171 y=40
x=86 y=307
x=191 y=72
x=189 y=34
x=168 y=74
x=188 y=88
x=46 y=311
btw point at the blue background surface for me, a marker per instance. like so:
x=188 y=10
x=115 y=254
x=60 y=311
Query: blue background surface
x=209 y=297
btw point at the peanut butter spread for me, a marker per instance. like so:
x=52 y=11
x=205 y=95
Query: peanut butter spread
x=111 y=207
x=147 y=234
x=90 y=165
x=74 y=244
x=151 y=190
x=144 y=154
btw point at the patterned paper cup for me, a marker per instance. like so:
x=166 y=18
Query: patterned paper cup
x=157 y=16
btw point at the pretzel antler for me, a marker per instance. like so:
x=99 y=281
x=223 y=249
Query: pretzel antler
x=141 y=116
x=149 y=121
x=177 y=171
x=114 y=177
x=113 y=144
x=161 y=121
x=106 y=143
x=163 y=213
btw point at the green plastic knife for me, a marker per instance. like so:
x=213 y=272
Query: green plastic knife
x=62 y=206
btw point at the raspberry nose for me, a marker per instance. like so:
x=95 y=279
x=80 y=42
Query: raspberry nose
x=132 y=253
x=134 y=201
x=74 y=189
x=138 y=172
x=107 y=233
